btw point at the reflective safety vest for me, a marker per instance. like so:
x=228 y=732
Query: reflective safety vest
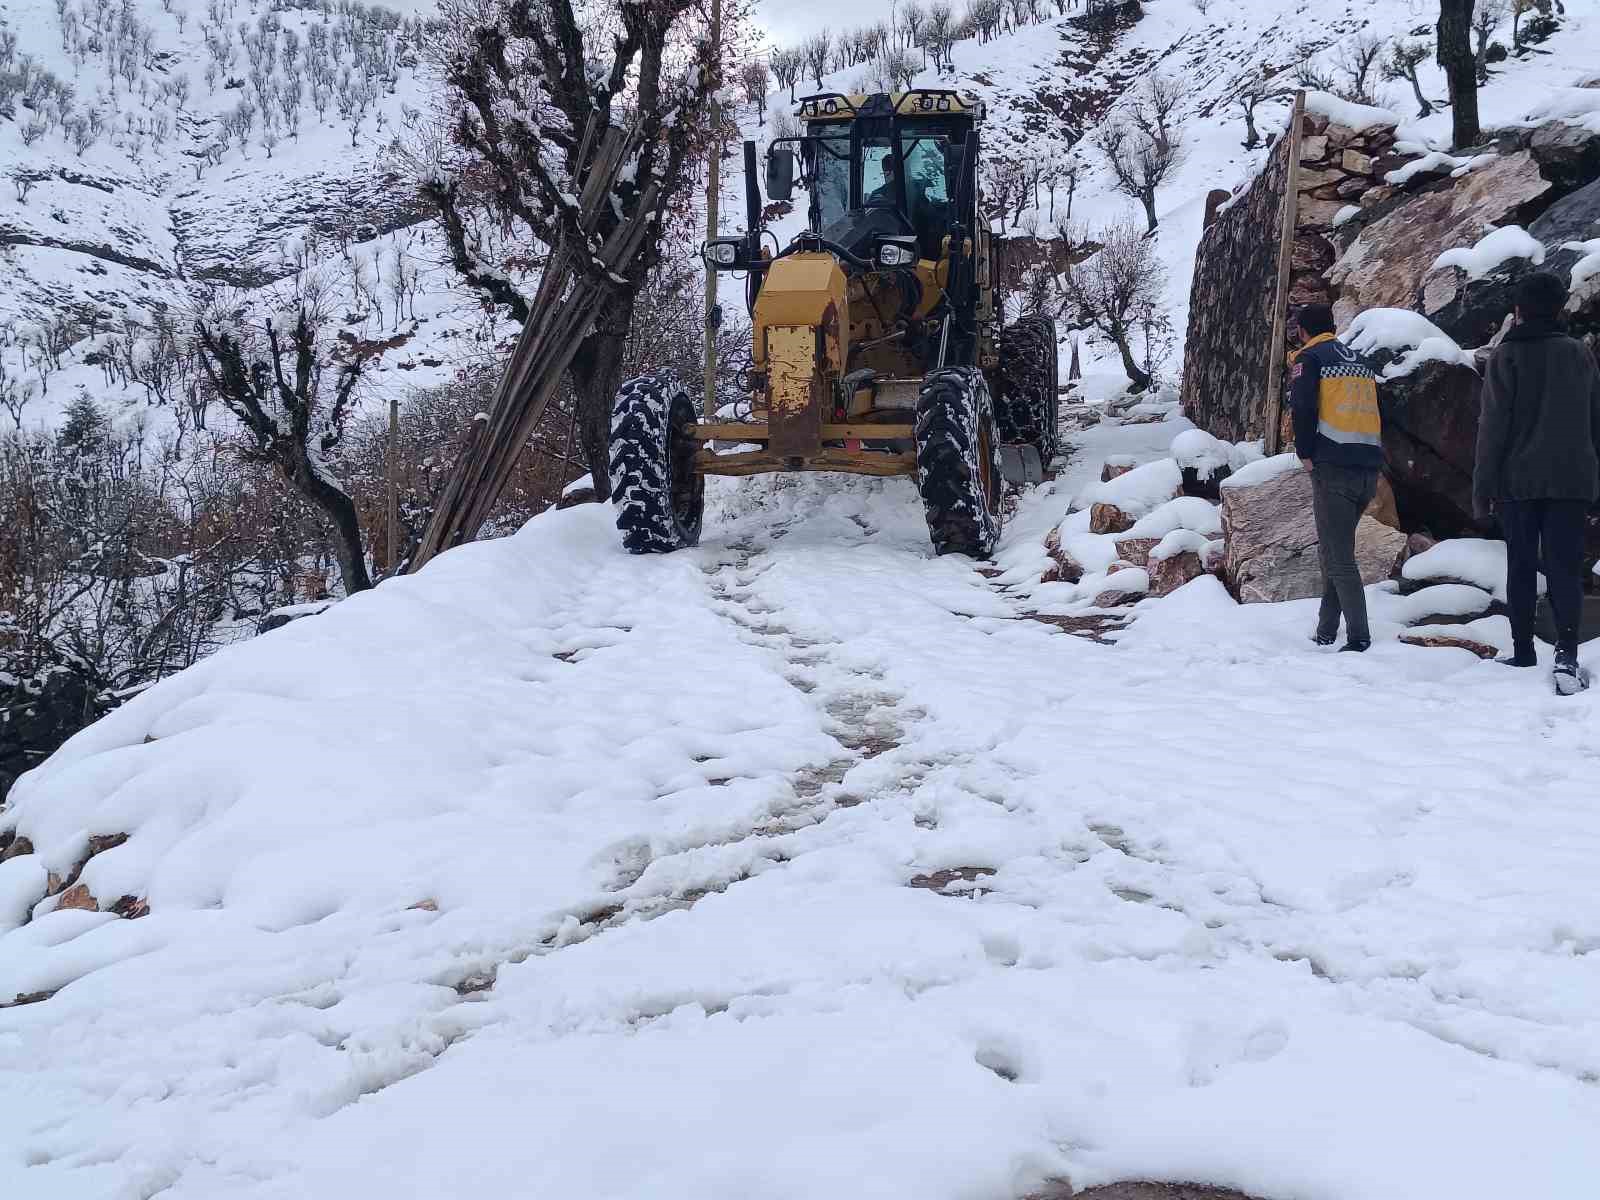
x=1335 y=400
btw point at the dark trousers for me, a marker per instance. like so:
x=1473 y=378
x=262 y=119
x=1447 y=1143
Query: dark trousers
x=1545 y=534
x=1339 y=495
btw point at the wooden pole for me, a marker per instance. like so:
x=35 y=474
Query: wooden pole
x=713 y=190
x=1273 y=415
x=394 y=481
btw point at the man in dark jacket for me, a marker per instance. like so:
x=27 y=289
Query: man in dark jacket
x=1538 y=466
x=1338 y=436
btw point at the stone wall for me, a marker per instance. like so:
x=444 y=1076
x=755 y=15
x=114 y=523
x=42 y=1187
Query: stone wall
x=1365 y=242
x=1230 y=309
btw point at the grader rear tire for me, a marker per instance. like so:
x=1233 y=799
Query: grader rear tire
x=958 y=462
x=660 y=500
x=1027 y=379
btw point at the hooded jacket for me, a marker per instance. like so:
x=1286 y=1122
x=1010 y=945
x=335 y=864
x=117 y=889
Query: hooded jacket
x=1334 y=396
x=1539 y=427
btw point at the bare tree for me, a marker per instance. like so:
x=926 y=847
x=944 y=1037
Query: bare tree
x=817 y=49
x=756 y=80
x=1404 y=59
x=293 y=416
x=530 y=111
x=939 y=31
x=1144 y=144
x=1487 y=16
x=1454 y=52
x=1249 y=90
x=1116 y=295
x=787 y=66
x=1358 y=59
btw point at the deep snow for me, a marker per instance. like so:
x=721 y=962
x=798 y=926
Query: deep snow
x=1307 y=924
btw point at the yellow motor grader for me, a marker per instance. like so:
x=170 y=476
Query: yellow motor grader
x=878 y=346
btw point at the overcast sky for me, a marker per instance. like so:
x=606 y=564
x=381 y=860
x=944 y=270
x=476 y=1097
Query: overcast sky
x=790 y=21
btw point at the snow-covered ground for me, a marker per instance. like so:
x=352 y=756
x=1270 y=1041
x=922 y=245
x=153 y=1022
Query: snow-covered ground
x=806 y=864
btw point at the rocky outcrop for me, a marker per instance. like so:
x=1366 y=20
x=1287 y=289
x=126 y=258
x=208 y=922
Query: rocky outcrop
x=1271 y=541
x=1372 y=223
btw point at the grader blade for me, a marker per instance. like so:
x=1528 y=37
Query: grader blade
x=1020 y=464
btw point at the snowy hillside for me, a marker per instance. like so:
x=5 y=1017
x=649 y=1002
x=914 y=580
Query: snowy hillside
x=158 y=152
x=1047 y=85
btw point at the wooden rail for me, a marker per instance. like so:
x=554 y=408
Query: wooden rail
x=756 y=431
x=759 y=462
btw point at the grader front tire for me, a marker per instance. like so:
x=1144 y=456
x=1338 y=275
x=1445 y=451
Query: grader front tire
x=958 y=462
x=1027 y=379
x=660 y=500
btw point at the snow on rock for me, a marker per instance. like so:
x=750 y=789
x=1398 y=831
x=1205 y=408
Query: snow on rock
x=1400 y=329
x=1197 y=450
x=1262 y=470
x=1180 y=541
x=1445 y=600
x=1492 y=250
x=1349 y=114
x=1574 y=105
x=1348 y=213
x=1182 y=512
x=1478 y=561
x=1436 y=162
x=1586 y=271
x=1137 y=491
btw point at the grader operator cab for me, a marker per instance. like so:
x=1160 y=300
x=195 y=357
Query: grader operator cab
x=877 y=339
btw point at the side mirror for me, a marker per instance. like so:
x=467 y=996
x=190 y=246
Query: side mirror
x=780 y=173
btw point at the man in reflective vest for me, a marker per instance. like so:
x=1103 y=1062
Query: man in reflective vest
x=1338 y=436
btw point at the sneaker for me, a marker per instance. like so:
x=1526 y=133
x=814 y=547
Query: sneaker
x=1523 y=656
x=1568 y=679
x=1356 y=647
x=1324 y=639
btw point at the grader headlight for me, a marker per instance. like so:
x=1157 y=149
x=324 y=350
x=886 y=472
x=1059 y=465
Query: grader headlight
x=897 y=254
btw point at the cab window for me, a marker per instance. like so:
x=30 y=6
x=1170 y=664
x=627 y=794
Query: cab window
x=830 y=172
x=878 y=170
x=926 y=165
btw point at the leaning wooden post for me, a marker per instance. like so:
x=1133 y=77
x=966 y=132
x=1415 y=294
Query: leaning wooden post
x=713 y=195
x=1280 y=301
x=394 y=482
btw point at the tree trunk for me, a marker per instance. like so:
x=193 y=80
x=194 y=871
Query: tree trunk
x=339 y=511
x=1139 y=376
x=1148 y=199
x=1251 y=138
x=1424 y=105
x=1460 y=69
x=596 y=373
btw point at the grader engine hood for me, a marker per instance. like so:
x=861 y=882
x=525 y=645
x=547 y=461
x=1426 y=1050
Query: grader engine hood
x=802 y=332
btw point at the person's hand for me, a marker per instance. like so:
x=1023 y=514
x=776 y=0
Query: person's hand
x=1305 y=464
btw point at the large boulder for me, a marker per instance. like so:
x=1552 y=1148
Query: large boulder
x=1271 y=536
x=1392 y=258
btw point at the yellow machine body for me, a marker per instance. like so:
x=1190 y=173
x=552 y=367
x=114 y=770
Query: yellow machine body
x=829 y=371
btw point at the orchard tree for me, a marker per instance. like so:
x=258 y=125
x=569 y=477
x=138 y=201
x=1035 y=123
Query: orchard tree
x=1143 y=145
x=1116 y=295
x=292 y=392
x=1404 y=59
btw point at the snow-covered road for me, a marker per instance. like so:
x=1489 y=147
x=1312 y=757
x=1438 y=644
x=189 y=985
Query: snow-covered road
x=804 y=864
